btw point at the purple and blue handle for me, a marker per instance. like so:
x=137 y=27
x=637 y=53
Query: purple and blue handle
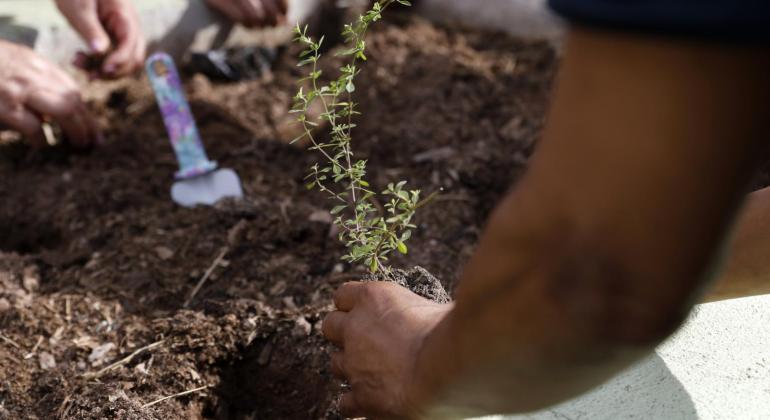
x=178 y=117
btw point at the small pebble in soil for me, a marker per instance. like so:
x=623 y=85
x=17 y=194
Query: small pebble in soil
x=264 y=355
x=56 y=337
x=4 y=305
x=141 y=368
x=164 y=253
x=235 y=234
x=97 y=355
x=46 y=361
x=31 y=280
x=321 y=216
x=302 y=328
x=278 y=288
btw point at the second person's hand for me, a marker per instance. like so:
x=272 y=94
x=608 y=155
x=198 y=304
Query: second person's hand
x=111 y=30
x=34 y=90
x=252 y=13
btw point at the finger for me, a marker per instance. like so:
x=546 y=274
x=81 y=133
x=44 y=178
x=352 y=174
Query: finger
x=24 y=121
x=121 y=60
x=283 y=6
x=85 y=119
x=140 y=53
x=58 y=80
x=347 y=295
x=337 y=365
x=83 y=15
x=272 y=12
x=253 y=13
x=67 y=110
x=333 y=327
x=81 y=60
x=349 y=408
x=227 y=8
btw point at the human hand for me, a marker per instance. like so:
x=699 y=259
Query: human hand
x=111 y=29
x=380 y=328
x=252 y=13
x=33 y=90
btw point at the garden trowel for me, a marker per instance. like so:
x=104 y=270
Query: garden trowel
x=198 y=180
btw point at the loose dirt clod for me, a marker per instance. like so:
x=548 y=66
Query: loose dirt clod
x=425 y=284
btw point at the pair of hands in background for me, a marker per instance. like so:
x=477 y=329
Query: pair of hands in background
x=32 y=89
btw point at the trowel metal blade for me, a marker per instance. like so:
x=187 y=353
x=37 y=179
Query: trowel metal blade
x=207 y=189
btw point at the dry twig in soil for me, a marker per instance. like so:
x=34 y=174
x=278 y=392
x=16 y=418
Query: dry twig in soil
x=9 y=341
x=34 y=349
x=207 y=274
x=190 y=391
x=123 y=361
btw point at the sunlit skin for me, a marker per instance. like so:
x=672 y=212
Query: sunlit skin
x=110 y=28
x=31 y=89
x=747 y=270
x=596 y=255
x=34 y=90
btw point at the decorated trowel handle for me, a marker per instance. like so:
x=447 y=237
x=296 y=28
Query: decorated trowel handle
x=177 y=117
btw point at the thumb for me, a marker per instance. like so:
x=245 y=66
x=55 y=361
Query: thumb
x=83 y=15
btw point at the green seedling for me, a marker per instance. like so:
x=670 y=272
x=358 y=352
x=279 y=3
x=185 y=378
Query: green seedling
x=370 y=234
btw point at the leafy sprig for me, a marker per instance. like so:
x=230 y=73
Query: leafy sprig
x=370 y=233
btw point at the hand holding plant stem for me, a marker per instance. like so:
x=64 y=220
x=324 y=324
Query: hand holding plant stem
x=369 y=236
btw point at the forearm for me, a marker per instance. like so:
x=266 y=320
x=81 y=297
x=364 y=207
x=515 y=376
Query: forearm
x=599 y=252
x=746 y=271
x=514 y=346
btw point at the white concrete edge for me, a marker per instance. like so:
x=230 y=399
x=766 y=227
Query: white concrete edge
x=522 y=18
x=716 y=367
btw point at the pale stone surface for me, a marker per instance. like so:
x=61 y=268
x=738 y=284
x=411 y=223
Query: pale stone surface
x=716 y=367
x=528 y=18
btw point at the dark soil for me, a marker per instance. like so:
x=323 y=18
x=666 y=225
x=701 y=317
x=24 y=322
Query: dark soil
x=96 y=262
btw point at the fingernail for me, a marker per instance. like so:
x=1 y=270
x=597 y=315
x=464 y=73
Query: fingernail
x=110 y=68
x=99 y=45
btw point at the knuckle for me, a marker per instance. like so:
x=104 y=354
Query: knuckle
x=13 y=93
x=338 y=363
x=73 y=102
x=325 y=327
x=36 y=64
x=15 y=118
x=332 y=322
x=368 y=291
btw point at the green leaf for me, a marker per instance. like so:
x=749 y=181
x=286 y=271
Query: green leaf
x=338 y=209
